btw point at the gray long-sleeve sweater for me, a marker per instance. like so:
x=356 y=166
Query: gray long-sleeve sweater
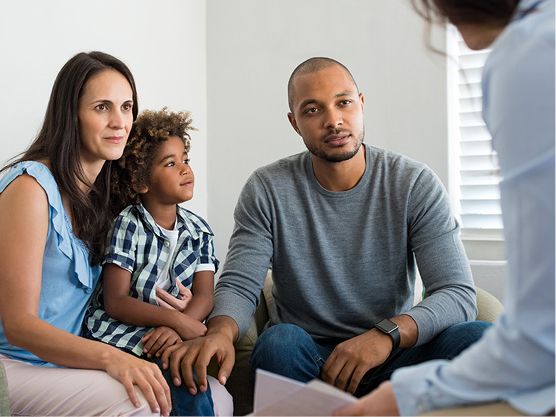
x=343 y=261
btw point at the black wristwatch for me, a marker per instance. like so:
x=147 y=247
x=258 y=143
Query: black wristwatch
x=391 y=329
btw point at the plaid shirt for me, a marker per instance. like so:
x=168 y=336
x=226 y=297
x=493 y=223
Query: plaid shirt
x=139 y=246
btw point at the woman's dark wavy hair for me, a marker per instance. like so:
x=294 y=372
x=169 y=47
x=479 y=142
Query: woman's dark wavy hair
x=489 y=12
x=59 y=143
x=131 y=172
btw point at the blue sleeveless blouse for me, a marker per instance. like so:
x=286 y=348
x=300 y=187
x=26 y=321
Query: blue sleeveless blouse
x=67 y=277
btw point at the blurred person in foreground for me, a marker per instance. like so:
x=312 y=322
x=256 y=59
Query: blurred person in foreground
x=510 y=371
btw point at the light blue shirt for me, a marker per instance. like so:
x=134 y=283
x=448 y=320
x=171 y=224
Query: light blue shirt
x=514 y=361
x=67 y=277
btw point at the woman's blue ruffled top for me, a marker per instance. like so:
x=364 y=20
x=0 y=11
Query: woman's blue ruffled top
x=67 y=277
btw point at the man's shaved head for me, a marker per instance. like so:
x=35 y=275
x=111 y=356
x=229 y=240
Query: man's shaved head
x=313 y=65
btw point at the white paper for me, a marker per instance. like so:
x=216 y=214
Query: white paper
x=276 y=395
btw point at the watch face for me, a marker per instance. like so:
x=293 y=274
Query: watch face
x=387 y=326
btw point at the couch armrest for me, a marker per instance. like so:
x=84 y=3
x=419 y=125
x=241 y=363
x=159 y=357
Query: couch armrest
x=488 y=306
x=240 y=383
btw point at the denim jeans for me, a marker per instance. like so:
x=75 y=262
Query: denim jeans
x=183 y=403
x=288 y=350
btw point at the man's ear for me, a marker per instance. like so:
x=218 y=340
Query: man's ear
x=362 y=99
x=293 y=122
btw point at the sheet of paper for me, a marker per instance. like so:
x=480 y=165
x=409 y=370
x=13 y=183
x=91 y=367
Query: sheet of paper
x=279 y=396
x=269 y=387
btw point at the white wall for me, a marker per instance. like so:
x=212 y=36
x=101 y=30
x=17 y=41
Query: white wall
x=253 y=46
x=228 y=62
x=163 y=42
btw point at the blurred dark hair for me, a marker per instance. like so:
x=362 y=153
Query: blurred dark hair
x=59 y=143
x=484 y=12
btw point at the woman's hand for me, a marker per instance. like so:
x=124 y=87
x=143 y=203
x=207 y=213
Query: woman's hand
x=130 y=370
x=165 y=299
x=158 y=339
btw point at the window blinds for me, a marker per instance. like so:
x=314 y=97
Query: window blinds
x=479 y=196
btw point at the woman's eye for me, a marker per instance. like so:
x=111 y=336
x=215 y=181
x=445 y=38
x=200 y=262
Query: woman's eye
x=101 y=106
x=127 y=106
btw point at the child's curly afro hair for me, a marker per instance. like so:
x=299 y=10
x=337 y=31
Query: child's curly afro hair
x=131 y=172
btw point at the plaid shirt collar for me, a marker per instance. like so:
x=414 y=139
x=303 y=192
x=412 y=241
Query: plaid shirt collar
x=183 y=222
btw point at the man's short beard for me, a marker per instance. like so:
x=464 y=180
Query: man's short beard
x=319 y=153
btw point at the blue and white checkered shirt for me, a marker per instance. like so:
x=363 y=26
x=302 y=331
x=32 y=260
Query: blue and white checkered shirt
x=139 y=246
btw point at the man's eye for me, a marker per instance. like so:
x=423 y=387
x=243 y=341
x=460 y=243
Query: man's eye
x=311 y=110
x=345 y=102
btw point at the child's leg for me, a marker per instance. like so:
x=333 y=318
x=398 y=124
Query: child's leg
x=185 y=404
x=37 y=390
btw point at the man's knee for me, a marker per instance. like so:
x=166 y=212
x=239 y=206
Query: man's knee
x=288 y=350
x=282 y=337
x=469 y=330
x=459 y=337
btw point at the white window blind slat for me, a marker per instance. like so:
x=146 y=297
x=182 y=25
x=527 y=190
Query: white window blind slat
x=469 y=104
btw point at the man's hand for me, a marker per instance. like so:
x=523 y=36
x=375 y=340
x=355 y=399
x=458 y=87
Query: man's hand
x=352 y=359
x=190 y=359
x=380 y=402
x=159 y=338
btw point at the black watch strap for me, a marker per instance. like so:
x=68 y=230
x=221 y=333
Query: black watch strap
x=391 y=329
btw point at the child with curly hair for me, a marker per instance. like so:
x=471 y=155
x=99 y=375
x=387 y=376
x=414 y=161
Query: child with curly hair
x=158 y=272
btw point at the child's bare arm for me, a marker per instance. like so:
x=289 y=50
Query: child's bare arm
x=202 y=302
x=121 y=306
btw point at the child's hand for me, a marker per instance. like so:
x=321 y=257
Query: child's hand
x=158 y=339
x=165 y=299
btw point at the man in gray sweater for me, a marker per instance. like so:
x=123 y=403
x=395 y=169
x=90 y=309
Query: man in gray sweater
x=343 y=227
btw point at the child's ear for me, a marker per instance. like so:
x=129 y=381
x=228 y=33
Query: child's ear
x=143 y=190
x=140 y=188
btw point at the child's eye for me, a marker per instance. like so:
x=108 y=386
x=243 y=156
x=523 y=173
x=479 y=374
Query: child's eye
x=186 y=161
x=170 y=164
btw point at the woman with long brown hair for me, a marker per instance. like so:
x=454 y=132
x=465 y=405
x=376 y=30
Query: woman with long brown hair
x=54 y=217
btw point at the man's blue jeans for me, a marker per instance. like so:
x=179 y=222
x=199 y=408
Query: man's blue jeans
x=183 y=403
x=288 y=350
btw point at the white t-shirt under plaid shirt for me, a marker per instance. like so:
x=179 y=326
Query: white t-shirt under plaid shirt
x=139 y=246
